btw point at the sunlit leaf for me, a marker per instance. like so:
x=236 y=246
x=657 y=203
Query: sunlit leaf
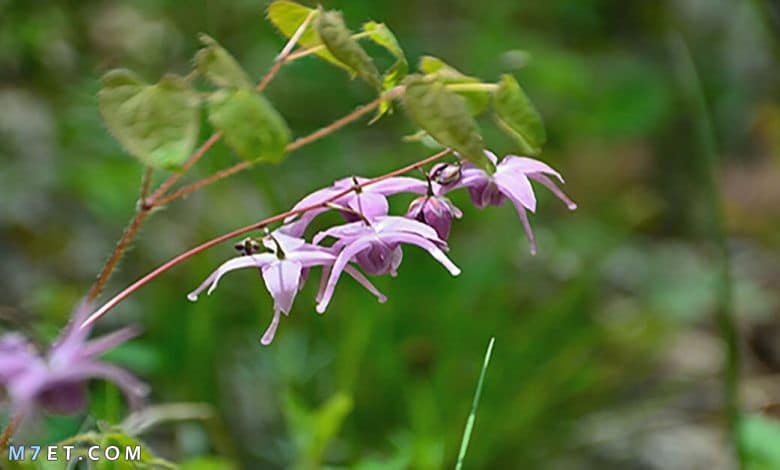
x=381 y=34
x=518 y=117
x=218 y=66
x=158 y=124
x=339 y=41
x=288 y=16
x=476 y=100
x=251 y=125
x=444 y=116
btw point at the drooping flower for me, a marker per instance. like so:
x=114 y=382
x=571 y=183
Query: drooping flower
x=511 y=180
x=283 y=268
x=56 y=381
x=436 y=211
x=370 y=202
x=376 y=247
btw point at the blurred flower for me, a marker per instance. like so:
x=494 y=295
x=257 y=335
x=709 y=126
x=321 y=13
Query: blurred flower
x=376 y=248
x=510 y=181
x=282 y=268
x=370 y=202
x=56 y=381
x=436 y=211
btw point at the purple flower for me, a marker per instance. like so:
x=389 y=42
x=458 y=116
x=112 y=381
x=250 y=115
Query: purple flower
x=376 y=248
x=511 y=180
x=283 y=268
x=370 y=201
x=57 y=380
x=436 y=211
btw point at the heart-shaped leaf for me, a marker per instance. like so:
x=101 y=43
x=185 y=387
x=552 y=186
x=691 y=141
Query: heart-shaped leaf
x=158 y=124
x=251 y=125
x=476 y=100
x=218 y=66
x=443 y=114
x=339 y=41
x=381 y=35
x=288 y=16
x=517 y=116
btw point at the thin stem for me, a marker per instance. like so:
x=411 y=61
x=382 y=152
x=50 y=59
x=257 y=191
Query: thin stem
x=708 y=164
x=294 y=145
x=146 y=183
x=171 y=180
x=149 y=202
x=243 y=230
x=9 y=430
x=490 y=87
x=313 y=50
x=142 y=210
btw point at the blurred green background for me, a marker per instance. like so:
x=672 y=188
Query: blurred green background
x=607 y=354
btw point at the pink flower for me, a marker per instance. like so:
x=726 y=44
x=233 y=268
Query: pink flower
x=376 y=248
x=370 y=201
x=56 y=381
x=282 y=268
x=511 y=180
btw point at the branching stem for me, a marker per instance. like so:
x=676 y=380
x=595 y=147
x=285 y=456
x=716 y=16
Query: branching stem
x=243 y=230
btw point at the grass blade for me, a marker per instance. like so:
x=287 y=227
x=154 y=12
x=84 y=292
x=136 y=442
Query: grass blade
x=464 y=443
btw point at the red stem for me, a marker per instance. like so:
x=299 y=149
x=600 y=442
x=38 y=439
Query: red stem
x=241 y=231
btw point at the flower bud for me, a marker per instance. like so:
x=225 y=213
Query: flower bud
x=445 y=174
x=435 y=211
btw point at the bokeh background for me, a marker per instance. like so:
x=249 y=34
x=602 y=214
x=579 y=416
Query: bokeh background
x=607 y=353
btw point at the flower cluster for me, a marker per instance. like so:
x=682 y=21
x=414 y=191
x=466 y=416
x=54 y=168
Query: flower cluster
x=371 y=238
x=56 y=380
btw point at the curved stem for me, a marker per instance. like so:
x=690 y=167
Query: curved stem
x=291 y=147
x=9 y=430
x=148 y=202
x=243 y=230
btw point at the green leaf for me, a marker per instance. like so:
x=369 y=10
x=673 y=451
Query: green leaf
x=339 y=41
x=218 y=66
x=157 y=124
x=476 y=100
x=250 y=124
x=288 y=16
x=430 y=65
x=381 y=35
x=443 y=114
x=517 y=116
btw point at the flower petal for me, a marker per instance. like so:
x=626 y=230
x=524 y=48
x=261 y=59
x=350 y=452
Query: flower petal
x=369 y=205
x=346 y=255
x=240 y=262
x=429 y=246
x=363 y=280
x=554 y=189
x=527 y=165
x=398 y=184
x=102 y=344
x=282 y=279
x=309 y=258
x=516 y=186
x=270 y=332
x=521 y=212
